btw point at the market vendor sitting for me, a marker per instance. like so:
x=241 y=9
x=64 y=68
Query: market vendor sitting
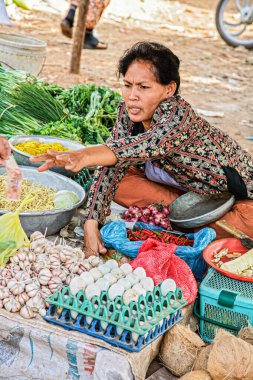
x=158 y=149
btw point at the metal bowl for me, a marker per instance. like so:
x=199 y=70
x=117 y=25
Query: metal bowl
x=23 y=158
x=192 y=210
x=50 y=221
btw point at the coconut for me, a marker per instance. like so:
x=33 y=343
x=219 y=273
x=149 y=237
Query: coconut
x=231 y=358
x=196 y=375
x=246 y=334
x=179 y=349
x=202 y=358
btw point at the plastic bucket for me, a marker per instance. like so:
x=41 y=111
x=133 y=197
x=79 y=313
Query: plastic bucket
x=22 y=53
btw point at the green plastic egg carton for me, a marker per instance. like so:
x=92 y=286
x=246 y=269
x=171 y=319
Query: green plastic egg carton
x=139 y=323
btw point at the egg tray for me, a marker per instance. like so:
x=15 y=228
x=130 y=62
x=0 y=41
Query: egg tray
x=131 y=327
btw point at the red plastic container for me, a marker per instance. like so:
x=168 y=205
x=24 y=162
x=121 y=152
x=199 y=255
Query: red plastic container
x=233 y=245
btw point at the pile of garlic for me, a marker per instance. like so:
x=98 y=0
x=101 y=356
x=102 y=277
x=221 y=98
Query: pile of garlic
x=36 y=272
x=117 y=281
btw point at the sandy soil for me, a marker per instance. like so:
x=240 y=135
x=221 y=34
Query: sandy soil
x=215 y=77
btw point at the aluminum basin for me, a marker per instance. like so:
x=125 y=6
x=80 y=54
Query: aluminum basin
x=192 y=210
x=23 y=158
x=51 y=221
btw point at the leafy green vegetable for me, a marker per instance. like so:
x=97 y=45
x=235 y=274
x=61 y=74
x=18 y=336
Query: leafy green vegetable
x=65 y=199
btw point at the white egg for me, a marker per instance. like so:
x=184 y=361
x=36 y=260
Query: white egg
x=129 y=296
x=112 y=264
x=135 y=337
x=117 y=273
x=126 y=268
x=119 y=331
x=125 y=283
x=104 y=325
x=89 y=320
x=132 y=278
x=96 y=273
x=167 y=286
x=103 y=283
x=147 y=283
x=111 y=278
x=140 y=272
x=139 y=289
x=91 y=291
x=76 y=284
x=104 y=268
x=115 y=290
x=87 y=277
x=73 y=314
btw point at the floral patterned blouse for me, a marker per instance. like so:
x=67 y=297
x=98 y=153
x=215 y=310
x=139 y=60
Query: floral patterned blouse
x=180 y=142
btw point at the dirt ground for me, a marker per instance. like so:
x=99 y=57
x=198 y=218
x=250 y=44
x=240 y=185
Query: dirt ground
x=214 y=76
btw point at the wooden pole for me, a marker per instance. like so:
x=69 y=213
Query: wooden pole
x=79 y=37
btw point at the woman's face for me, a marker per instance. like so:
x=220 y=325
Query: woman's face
x=142 y=93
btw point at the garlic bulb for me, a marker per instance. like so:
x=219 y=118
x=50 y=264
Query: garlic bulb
x=76 y=284
x=94 y=260
x=4 y=292
x=55 y=283
x=16 y=287
x=32 y=289
x=140 y=272
x=36 y=235
x=147 y=283
x=87 y=277
x=125 y=283
x=91 y=291
x=167 y=286
x=126 y=269
x=115 y=290
x=26 y=312
x=11 y=304
x=129 y=296
x=44 y=276
x=103 y=283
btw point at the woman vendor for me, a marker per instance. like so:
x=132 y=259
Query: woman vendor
x=158 y=149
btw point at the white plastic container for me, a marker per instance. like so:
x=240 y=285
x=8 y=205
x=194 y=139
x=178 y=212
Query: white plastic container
x=20 y=52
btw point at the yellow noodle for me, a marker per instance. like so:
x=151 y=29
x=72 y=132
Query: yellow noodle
x=36 y=147
x=42 y=198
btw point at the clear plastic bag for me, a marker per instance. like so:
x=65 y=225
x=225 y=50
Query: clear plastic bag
x=13 y=179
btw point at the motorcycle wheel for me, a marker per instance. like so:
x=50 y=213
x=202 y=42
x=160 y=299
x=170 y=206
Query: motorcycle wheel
x=234 y=22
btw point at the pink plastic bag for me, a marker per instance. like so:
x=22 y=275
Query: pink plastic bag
x=160 y=262
x=13 y=179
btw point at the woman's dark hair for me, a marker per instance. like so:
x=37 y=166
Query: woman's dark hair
x=165 y=63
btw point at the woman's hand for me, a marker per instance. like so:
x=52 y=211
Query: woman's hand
x=77 y=160
x=74 y=161
x=93 y=244
x=5 y=150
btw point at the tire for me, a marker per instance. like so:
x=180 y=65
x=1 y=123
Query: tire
x=225 y=35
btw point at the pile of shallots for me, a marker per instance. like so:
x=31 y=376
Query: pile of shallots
x=36 y=272
x=156 y=214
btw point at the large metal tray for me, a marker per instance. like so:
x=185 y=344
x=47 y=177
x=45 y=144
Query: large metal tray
x=24 y=158
x=192 y=210
x=50 y=221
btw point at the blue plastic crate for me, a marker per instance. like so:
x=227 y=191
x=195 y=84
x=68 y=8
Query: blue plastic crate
x=224 y=303
x=110 y=334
